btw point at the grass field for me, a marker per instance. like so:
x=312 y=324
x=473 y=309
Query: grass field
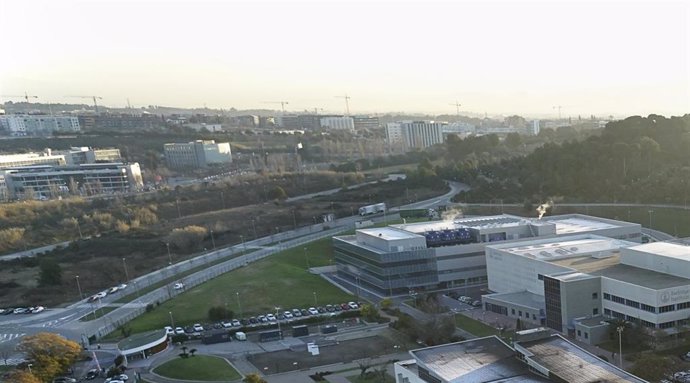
x=199 y=367
x=279 y=280
x=360 y=379
x=477 y=328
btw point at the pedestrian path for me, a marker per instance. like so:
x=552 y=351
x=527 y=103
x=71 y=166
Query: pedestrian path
x=9 y=337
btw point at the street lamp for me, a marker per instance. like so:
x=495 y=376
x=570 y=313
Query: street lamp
x=167 y=245
x=316 y=304
x=619 y=329
x=29 y=365
x=306 y=257
x=279 y=330
x=239 y=306
x=213 y=241
x=254 y=227
x=81 y=296
x=172 y=321
x=650 y=217
x=242 y=239
x=124 y=263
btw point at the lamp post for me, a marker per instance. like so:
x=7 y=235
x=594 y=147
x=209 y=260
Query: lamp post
x=619 y=330
x=650 y=217
x=81 y=296
x=213 y=241
x=279 y=330
x=239 y=306
x=306 y=257
x=242 y=239
x=254 y=227
x=172 y=321
x=357 y=278
x=294 y=219
x=316 y=304
x=124 y=263
x=79 y=230
x=167 y=245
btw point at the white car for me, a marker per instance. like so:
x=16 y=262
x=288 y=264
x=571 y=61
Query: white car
x=122 y=377
x=198 y=327
x=122 y=286
x=169 y=330
x=179 y=331
x=288 y=315
x=226 y=324
x=313 y=311
x=37 y=309
x=178 y=286
x=236 y=323
x=102 y=294
x=113 y=289
x=353 y=305
x=271 y=317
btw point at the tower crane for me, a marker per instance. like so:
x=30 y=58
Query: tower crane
x=457 y=107
x=95 y=104
x=25 y=96
x=347 y=103
x=282 y=104
x=559 y=110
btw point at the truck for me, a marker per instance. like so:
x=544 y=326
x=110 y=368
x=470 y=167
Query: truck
x=372 y=209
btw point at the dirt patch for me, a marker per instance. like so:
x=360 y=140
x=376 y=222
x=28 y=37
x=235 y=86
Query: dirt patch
x=341 y=352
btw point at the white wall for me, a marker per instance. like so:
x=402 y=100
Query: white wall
x=510 y=273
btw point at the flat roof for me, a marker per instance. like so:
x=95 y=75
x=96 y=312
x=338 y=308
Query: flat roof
x=474 y=361
x=642 y=277
x=579 y=223
x=481 y=222
x=521 y=298
x=389 y=233
x=593 y=321
x=573 y=364
x=565 y=247
x=665 y=249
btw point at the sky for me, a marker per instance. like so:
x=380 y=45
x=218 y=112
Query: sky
x=497 y=57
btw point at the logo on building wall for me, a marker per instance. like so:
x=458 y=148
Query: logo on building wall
x=665 y=297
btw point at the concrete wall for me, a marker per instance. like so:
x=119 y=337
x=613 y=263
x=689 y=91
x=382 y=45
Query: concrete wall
x=577 y=300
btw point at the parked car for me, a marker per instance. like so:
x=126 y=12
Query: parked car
x=92 y=374
x=20 y=310
x=296 y=313
x=112 y=289
x=337 y=308
x=236 y=323
x=345 y=306
x=64 y=379
x=288 y=315
x=313 y=311
x=304 y=312
x=178 y=286
x=321 y=309
x=353 y=305
x=225 y=324
x=271 y=317
x=122 y=377
x=253 y=320
x=179 y=331
x=476 y=303
x=121 y=286
x=198 y=327
x=37 y=309
x=169 y=330
x=330 y=308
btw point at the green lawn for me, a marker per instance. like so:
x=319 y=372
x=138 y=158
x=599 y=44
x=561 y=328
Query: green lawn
x=279 y=280
x=476 y=327
x=199 y=367
x=360 y=379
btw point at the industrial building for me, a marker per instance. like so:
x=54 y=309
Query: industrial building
x=72 y=156
x=197 y=154
x=535 y=357
x=37 y=125
x=573 y=284
x=450 y=254
x=47 y=181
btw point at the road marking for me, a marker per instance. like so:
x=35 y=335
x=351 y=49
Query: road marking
x=9 y=337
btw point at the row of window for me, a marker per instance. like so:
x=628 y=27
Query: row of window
x=616 y=314
x=646 y=307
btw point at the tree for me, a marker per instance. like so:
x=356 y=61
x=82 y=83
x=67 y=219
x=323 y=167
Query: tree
x=22 y=376
x=188 y=237
x=10 y=238
x=192 y=351
x=50 y=272
x=277 y=193
x=364 y=365
x=254 y=378
x=51 y=354
x=386 y=303
x=370 y=313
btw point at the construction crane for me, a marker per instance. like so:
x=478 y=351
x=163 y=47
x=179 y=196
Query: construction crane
x=25 y=96
x=559 y=110
x=282 y=104
x=95 y=104
x=457 y=107
x=347 y=103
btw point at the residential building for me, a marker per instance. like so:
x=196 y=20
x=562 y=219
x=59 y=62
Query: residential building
x=450 y=254
x=47 y=181
x=338 y=123
x=533 y=129
x=38 y=125
x=366 y=122
x=197 y=154
x=540 y=357
x=576 y=282
x=410 y=135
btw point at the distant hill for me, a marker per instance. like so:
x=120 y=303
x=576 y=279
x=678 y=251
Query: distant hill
x=638 y=159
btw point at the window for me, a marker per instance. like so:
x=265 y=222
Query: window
x=512 y=311
x=519 y=313
x=579 y=333
x=632 y=303
x=649 y=308
x=647 y=324
x=595 y=295
x=617 y=299
x=595 y=311
x=665 y=309
x=586 y=335
x=667 y=324
x=607 y=312
x=540 y=277
x=526 y=315
x=683 y=306
x=534 y=317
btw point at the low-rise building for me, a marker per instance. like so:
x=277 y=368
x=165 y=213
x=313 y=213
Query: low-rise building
x=576 y=282
x=338 y=123
x=450 y=254
x=197 y=154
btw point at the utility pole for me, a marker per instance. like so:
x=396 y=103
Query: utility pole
x=124 y=263
x=167 y=245
x=81 y=296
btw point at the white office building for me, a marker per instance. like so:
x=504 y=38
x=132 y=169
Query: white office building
x=38 y=125
x=573 y=283
x=534 y=129
x=409 y=135
x=197 y=154
x=338 y=123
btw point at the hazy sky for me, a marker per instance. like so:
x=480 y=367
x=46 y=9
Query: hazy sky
x=498 y=57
